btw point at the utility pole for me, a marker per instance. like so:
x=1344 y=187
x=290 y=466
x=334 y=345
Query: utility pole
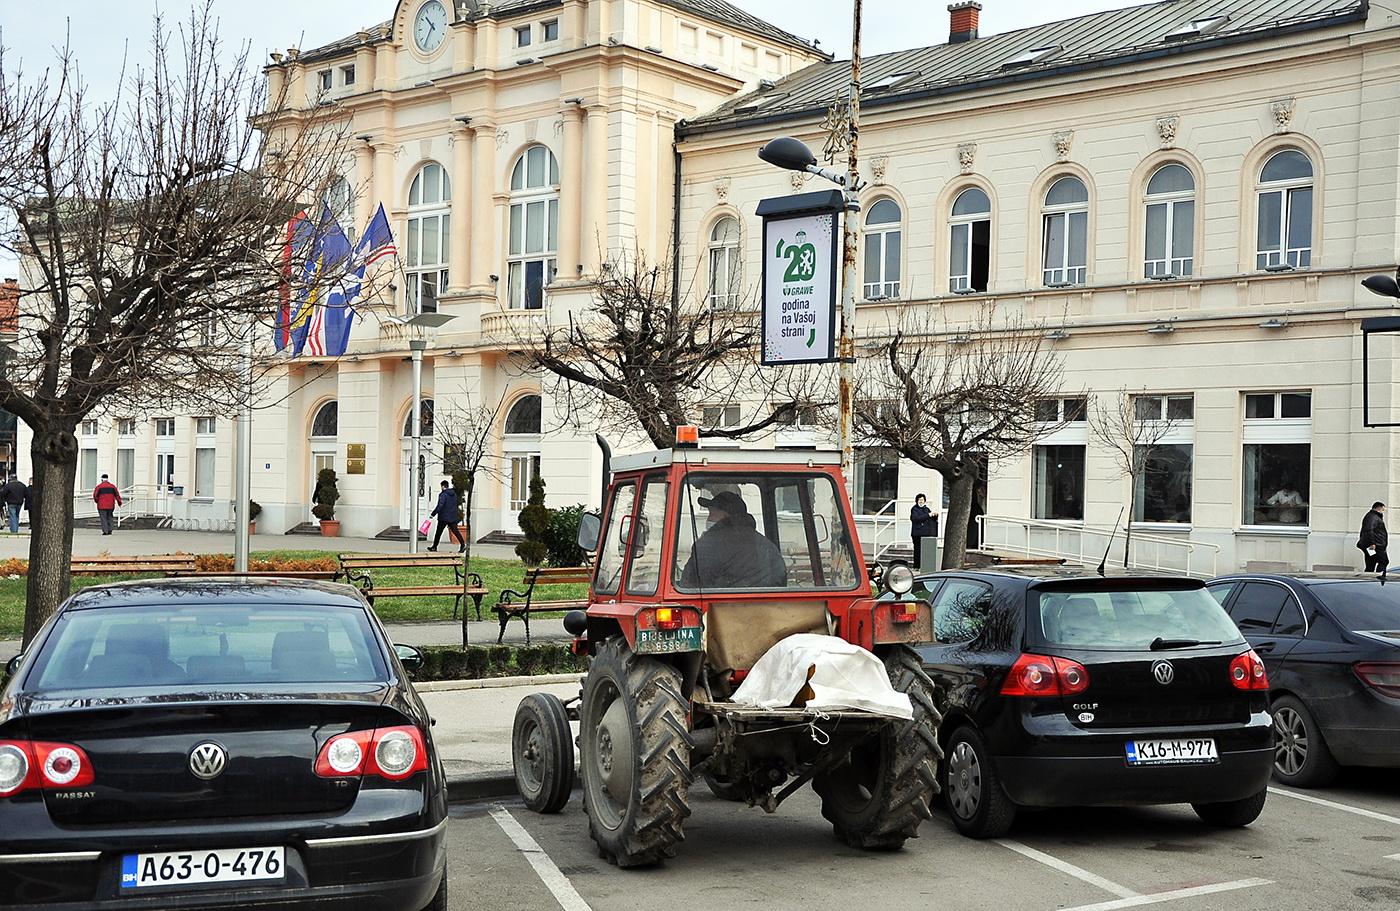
x=850 y=267
x=243 y=464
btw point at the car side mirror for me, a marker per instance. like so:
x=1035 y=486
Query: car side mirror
x=410 y=657
x=590 y=526
x=12 y=666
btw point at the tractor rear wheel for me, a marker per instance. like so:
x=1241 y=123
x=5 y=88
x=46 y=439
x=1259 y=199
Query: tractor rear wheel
x=636 y=743
x=879 y=796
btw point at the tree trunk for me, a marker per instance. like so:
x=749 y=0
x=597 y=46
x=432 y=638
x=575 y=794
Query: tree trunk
x=54 y=454
x=960 y=488
x=467 y=523
x=1128 y=528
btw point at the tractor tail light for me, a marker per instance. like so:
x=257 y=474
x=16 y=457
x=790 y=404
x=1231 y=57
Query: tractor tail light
x=904 y=611
x=669 y=618
x=1247 y=672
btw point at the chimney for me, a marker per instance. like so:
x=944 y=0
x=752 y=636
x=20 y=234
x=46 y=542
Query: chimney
x=962 y=24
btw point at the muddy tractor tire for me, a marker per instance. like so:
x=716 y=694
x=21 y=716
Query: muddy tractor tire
x=879 y=796
x=542 y=752
x=636 y=745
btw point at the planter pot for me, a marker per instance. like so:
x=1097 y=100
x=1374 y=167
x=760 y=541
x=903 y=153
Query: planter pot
x=330 y=528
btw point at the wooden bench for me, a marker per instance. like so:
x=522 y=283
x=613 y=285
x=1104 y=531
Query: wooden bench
x=355 y=568
x=522 y=604
x=325 y=575
x=168 y=564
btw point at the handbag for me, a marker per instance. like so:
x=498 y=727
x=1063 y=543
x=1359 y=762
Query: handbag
x=425 y=526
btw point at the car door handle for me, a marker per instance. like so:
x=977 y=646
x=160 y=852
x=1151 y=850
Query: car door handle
x=1265 y=647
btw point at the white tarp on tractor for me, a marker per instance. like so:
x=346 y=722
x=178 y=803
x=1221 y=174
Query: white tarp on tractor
x=821 y=673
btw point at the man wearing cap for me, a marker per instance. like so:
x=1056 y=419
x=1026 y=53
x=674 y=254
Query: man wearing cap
x=731 y=553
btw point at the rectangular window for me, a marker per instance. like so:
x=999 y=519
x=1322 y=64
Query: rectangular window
x=1163 y=486
x=429 y=237
x=126 y=427
x=522 y=36
x=534 y=230
x=87 y=469
x=165 y=427
x=1285 y=229
x=882 y=262
x=323 y=79
x=204 y=425
x=347 y=74
x=970 y=263
x=126 y=468
x=89 y=428
x=1053 y=411
x=1170 y=239
x=877 y=479
x=204 y=458
x=1276 y=464
x=1059 y=482
x=721 y=416
x=1066 y=248
x=549 y=30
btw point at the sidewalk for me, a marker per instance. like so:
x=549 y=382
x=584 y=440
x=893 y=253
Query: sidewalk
x=90 y=542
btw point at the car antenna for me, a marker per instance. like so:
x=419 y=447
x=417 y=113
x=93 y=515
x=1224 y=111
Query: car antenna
x=1103 y=564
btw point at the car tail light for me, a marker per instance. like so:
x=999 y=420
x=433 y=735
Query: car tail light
x=1383 y=678
x=27 y=765
x=1247 y=672
x=1040 y=675
x=394 y=753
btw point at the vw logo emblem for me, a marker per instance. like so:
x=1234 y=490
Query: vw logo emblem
x=1163 y=672
x=207 y=761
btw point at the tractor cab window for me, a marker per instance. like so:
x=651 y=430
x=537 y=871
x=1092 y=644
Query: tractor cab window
x=645 y=573
x=612 y=550
x=763 y=532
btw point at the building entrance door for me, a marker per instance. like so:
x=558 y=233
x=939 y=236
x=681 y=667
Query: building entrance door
x=319 y=460
x=523 y=468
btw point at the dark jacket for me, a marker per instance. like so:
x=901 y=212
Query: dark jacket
x=446 y=508
x=14 y=493
x=1373 y=532
x=922 y=523
x=732 y=554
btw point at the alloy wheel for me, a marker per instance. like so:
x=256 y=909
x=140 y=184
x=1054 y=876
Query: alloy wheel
x=1290 y=741
x=964 y=780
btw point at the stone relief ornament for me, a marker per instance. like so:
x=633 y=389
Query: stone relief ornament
x=967 y=157
x=502 y=137
x=559 y=127
x=798 y=179
x=1166 y=130
x=1063 y=140
x=879 y=166
x=722 y=189
x=1283 y=114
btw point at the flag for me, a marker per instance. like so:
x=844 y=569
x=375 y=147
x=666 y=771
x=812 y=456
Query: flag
x=299 y=234
x=338 y=315
x=377 y=242
x=325 y=263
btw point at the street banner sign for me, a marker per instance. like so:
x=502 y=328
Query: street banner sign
x=801 y=246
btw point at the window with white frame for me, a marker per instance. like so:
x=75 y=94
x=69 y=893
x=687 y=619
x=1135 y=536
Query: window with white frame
x=1285 y=195
x=970 y=243
x=205 y=426
x=165 y=427
x=324 y=81
x=1163 y=458
x=883 y=250
x=534 y=228
x=1065 y=232
x=429 y=238
x=347 y=74
x=326 y=422
x=88 y=428
x=126 y=427
x=205 y=457
x=1057 y=486
x=720 y=417
x=126 y=467
x=877 y=479
x=724 y=263
x=522 y=36
x=87 y=469
x=1276 y=466
x=549 y=30
x=1169 y=249
x=339 y=199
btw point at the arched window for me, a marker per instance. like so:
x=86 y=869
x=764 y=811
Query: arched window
x=724 y=263
x=970 y=245
x=1171 y=223
x=340 y=200
x=883 y=243
x=425 y=419
x=1285 y=211
x=524 y=416
x=534 y=227
x=429 y=236
x=326 y=423
x=1065 y=232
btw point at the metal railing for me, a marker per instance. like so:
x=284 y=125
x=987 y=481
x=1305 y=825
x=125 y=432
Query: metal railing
x=882 y=521
x=1086 y=544
x=138 y=501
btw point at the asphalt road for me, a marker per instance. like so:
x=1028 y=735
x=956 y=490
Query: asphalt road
x=1301 y=854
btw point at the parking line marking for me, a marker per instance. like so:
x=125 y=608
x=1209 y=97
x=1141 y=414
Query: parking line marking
x=553 y=878
x=1346 y=808
x=1138 y=901
x=1093 y=879
x=1392 y=857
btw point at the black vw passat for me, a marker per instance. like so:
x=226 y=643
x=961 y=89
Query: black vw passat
x=218 y=743
x=1064 y=690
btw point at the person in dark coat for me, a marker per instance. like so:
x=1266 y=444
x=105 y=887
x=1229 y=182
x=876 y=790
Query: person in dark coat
x=922 y=524
x=731 y=553
x=15 y=496
x=1374 y=539
x=107 y=498
x=448 y=515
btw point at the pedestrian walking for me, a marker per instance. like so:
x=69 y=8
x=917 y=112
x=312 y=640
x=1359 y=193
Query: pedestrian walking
x=448 y=515
x=107 y=498
x=922 y=524
x=15 y=496
x=1374 y=539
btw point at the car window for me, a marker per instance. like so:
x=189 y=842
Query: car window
x=960 y=610
x=1129 y=620
x=1290 y=619
x=926 y=588
x=1258 y=606
x=1221 y=591
x=1362 y=605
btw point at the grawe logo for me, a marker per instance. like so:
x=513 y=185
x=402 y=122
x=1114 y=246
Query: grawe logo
x=801 y=257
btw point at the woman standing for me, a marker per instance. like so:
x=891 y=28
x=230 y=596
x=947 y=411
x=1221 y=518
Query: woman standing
x=922 y=524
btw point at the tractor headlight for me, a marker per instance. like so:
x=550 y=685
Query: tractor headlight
x=899 y=578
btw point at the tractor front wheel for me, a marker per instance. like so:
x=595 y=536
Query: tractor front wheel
x=878 y=797
x=636 y=744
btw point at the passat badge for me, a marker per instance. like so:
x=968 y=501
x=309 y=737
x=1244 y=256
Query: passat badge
x=1163 y=672
x=207 y=761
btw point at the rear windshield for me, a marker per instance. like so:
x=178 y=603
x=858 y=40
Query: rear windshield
x=203 y=645
x=1362 y=605
x=1128 y=620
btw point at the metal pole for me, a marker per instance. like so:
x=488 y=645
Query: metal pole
x=850 y=275
x=416 y=346
x=243 y=465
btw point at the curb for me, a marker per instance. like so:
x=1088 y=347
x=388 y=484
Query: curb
x=478 y=786
x=447 y=686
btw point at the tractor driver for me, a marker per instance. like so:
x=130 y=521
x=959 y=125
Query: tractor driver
x=731 y=553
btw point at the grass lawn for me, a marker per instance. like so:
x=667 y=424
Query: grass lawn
x=495 y=574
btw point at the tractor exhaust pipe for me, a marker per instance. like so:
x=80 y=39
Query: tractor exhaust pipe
x=607 y=467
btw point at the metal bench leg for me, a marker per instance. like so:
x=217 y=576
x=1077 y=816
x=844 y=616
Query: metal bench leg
x=527 y=626
x=477 y=599
x=505 y=618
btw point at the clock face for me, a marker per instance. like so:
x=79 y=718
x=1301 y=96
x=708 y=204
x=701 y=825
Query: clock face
x=430 y=26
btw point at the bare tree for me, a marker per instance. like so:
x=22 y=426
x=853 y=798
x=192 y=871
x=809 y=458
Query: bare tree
x=468 y=432
x=151 y=230
x=948 y=398
x=642 y=357
x=1132 y=427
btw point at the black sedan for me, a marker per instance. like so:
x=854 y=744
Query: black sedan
x=1332 y=649
x=1059 y=689
x=218 y=743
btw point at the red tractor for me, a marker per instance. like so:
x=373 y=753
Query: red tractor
x=704 y=560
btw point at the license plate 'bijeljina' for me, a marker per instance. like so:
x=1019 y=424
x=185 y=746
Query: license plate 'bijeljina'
x=660 y=641
x=197 y=868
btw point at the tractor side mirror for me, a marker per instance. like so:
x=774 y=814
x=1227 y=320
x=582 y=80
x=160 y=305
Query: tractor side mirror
x=410 y=657
x=821 y=528
x=12 y=666
x=640 y=536
x=590 y=526
x=624 y=531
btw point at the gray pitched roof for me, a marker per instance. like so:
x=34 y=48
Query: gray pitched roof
x=1098 y=39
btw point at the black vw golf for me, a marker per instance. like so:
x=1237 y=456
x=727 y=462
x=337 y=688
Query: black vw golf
x=218 y=743
x=1059 y=689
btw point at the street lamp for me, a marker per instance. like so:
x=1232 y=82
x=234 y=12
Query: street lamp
x=1383 y=285
x=423 y=326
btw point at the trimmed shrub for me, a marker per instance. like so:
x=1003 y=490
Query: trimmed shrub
x=561 y=537
x=534 y=522
x=325 y=495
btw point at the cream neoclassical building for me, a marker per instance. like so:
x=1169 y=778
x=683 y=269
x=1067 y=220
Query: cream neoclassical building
x=1185 y=195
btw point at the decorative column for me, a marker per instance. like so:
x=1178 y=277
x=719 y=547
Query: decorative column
x=364 y=183
x=483 y=249
x=571 y=194
x=595 y=205
x=364 y=63
x=384 y=68
x=463 y=228
x=383 y=187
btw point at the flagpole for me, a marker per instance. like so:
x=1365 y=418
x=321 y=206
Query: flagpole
x=243 y=464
